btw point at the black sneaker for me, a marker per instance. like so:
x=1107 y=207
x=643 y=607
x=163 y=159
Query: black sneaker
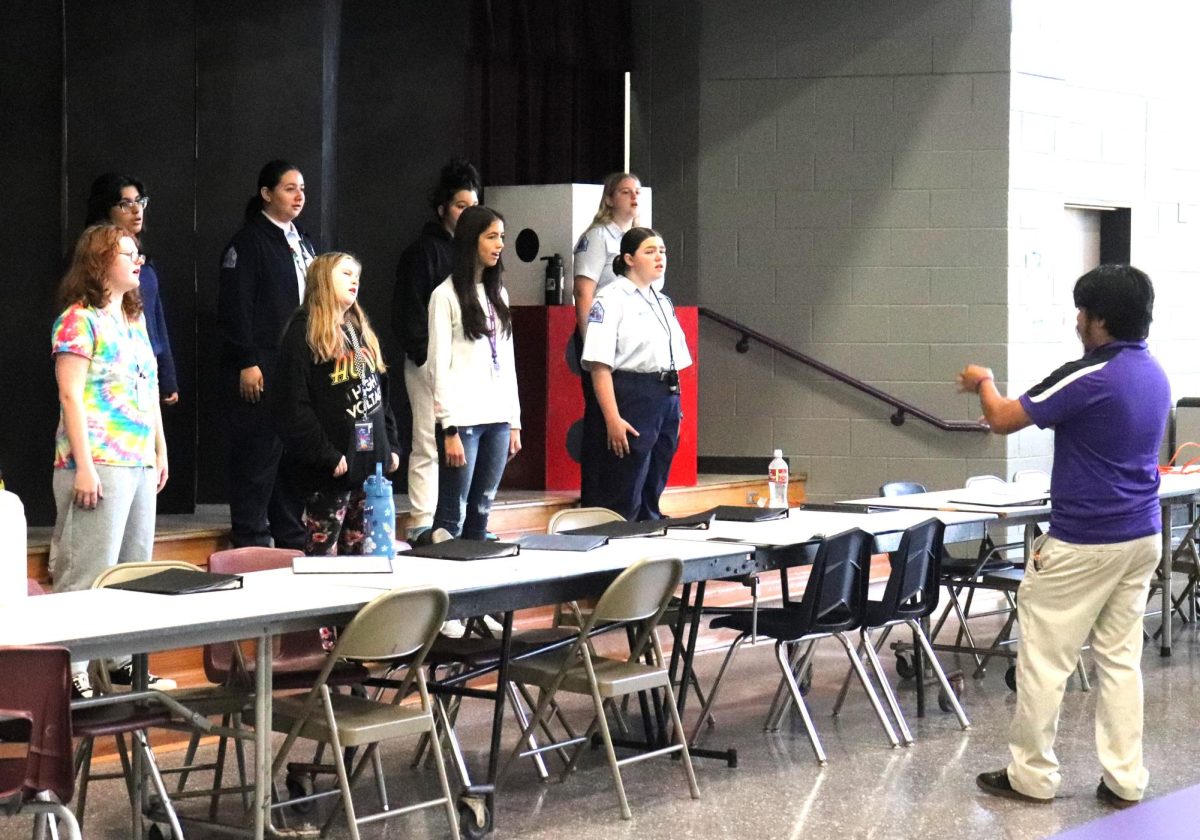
x=1105 y=794
x=996 y=783
x=123 y=675
x=81 y=687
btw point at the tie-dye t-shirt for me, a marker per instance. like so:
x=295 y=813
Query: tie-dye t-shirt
x=120 y=392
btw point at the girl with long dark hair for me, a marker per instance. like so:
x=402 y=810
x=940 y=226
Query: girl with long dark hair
x=474 y=375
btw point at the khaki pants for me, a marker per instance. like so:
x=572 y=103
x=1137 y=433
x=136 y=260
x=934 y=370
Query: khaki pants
x=1069 y=591
x=423 y=459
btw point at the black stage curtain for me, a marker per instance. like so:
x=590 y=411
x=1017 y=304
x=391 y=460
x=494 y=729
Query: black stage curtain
x=545 y=99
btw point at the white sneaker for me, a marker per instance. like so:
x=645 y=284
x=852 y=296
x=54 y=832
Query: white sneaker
x=454 y=629
x=492 y=624
x=81 y=687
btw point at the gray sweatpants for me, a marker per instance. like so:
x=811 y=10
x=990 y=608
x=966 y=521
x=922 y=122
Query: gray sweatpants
x=120 y=529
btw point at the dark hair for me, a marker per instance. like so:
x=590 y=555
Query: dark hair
x=269 y=176
x=630 y=242
x=106 y=194
x=1119 y=295
x=84 y=283
x=471 y=225
x=459 y=174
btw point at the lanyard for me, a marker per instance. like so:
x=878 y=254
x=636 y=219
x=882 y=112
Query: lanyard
x=359 y=365
x=492 y=335
x=664 y=322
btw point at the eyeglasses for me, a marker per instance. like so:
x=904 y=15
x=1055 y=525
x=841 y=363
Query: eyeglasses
x=135 y=257
x=126 y=205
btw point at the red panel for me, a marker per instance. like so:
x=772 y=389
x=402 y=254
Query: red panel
x=552 y=400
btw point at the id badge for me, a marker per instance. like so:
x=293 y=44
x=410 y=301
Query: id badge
x=364 y=437
x=141 y=393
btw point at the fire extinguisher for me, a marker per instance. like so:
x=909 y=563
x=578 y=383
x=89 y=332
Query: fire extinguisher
x=554 y=280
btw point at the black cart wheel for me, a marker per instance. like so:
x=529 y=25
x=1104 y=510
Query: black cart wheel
x=474 y=818
x=1010 y=677
x=906 y=669
x=299 y=786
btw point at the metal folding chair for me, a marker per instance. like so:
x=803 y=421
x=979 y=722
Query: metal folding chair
x=639 y=596
x=396 y=627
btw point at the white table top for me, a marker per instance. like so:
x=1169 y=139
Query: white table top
x=804 y=526
x=1175 y=488
x=105 y=622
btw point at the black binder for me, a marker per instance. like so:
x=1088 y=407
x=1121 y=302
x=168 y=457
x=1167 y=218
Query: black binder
x=561 y=542
x=623 y=528
x=457 y=549
x=698 y=521
x=180 y=582
x=751 y=513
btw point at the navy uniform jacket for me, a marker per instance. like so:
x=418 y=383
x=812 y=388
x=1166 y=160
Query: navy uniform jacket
x=258 y=291
x=421 y=269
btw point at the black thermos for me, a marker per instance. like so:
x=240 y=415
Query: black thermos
x=554 y=280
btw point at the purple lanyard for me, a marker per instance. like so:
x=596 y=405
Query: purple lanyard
x=492 y=335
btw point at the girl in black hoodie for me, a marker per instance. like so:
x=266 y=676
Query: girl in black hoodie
x=331 y=405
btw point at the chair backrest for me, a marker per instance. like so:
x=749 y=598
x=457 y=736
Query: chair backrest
x=395 y=624
x=639 y=592
x=218 y=658
x=836 y=593
x=41 y=695
x=912 y=589
x=983 y=480
x=583 y=517
x=251 y=558
x=901 y=488
x=1031 y=475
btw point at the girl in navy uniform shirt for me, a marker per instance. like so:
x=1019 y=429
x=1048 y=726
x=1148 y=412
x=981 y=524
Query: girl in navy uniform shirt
x=634 y=349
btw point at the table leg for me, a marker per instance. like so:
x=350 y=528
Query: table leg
x=262 y=736
x=1165 y=568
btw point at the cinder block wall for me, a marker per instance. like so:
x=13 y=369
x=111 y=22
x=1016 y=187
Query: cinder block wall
x=1103 y=113
x=852 y=183
x=881 y=185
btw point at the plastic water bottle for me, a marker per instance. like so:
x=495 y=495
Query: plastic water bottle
x=777 y=481
x=379 y=515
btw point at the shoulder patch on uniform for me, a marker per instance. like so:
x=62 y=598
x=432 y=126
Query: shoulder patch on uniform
x=582 y=244
x=230 y=258
x=596 y=313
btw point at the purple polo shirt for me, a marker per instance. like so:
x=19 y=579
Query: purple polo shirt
x=1108 y=411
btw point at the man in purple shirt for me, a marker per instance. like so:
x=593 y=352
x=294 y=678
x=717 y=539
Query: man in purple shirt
x=1090 y=574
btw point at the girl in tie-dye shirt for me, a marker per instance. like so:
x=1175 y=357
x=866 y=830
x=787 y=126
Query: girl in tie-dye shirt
x=110 y=458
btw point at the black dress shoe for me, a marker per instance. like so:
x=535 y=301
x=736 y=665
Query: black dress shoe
x=1105 y=794
x=996 y=783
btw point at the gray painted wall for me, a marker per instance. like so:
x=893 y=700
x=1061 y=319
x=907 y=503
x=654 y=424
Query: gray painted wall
x=881 y=185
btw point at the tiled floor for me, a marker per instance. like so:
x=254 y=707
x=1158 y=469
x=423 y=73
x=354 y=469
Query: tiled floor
x=867 y=790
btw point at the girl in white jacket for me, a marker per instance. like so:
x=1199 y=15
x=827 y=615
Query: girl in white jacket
x=474 y=376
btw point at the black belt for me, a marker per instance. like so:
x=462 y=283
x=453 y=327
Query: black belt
x=656 y=375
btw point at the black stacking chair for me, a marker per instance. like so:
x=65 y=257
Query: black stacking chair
x=988 y=569
x=833 y=604
x=911 y=595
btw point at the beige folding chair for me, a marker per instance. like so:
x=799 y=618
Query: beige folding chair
x=399 y=625
x=567 y=520
x=639 y=596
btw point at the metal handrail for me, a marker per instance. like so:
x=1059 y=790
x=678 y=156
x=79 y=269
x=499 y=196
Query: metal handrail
x=902 y=407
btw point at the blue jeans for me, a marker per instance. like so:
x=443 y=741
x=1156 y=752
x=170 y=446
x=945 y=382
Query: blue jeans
x=467 y=492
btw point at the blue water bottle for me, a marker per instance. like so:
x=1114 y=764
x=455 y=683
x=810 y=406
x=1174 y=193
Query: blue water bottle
x=379 y=515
